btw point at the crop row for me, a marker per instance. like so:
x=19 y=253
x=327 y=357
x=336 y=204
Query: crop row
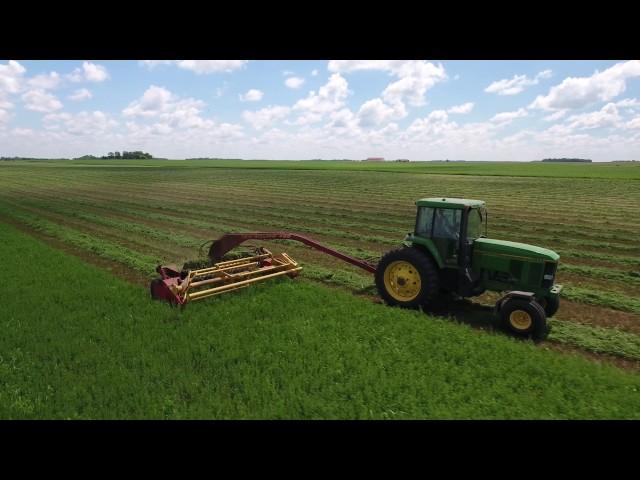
x=179 y=239
x=311 y=189
x=177 y=216
x=133 y=226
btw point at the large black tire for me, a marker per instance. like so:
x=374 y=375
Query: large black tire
x=419 y=263
x=550 y=305
x=524 y=318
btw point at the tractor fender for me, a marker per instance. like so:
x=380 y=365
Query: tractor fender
x=427 y=248
x=513 y=294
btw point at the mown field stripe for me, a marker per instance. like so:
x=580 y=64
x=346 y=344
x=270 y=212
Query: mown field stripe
x=625 y=172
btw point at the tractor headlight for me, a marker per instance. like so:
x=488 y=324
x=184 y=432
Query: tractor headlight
x=549 y=274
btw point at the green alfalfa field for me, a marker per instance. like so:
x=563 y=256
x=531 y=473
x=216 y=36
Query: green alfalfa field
x=79 y=343
x=127 y=217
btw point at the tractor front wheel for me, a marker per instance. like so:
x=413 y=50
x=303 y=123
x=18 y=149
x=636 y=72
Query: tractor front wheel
x=524 y=318
x=550 y=305
x=407 y=277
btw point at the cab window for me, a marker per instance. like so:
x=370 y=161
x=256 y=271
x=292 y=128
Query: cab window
x=424 y=222
x=474 y=226
x=447 y=223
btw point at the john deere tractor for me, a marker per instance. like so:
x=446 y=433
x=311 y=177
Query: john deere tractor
x=449 y=253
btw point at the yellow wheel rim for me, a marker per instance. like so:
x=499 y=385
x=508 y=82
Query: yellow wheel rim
x=402 y=281
x=520 y=320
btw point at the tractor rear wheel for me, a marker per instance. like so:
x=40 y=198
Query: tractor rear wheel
x=524 y=318
x=407 y=277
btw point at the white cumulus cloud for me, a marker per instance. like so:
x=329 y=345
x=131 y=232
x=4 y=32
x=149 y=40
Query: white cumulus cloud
x=11 y=76
x=555 y=116
x=45 y=81
x=199 y=66
x=252 y=95
x=633 y=123
x=154 y=101
x=5 y=115
x=628 y=103
x=80 y=94
x=40 y=101
x=80 y=124
x=436 y=124
x=414 y=78
x=346 y=66
x=161 y=105
x=504 y=118
x=607 y=116
x=294 y=82
x=330 y=97
x=516 y=84
x=578 y=92
x=461 y=109
x=211 y=66
x=374 y=112
x=266 y=116
x=154 y=63
x=89 y=72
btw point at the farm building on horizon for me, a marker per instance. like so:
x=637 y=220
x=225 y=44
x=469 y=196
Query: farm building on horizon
x=375 y=159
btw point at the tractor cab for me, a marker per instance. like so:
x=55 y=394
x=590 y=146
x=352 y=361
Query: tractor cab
x=451 y=225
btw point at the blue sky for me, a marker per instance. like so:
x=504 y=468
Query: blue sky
x=418 y=109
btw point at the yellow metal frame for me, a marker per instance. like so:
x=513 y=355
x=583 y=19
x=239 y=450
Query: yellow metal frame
x=234 y=274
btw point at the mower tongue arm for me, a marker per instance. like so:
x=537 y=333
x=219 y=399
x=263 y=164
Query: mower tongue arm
x=230 y=241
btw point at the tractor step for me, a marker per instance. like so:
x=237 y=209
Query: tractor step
x=181 y=287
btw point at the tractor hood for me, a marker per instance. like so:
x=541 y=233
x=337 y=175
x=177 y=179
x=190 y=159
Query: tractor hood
x=515 y=249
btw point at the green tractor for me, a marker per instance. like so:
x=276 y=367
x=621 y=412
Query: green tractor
x=449 y=253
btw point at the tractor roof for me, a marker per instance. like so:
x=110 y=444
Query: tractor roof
x=449 y=203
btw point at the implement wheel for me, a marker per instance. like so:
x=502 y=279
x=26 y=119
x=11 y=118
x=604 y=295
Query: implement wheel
x=407 y=277
x=524 y=318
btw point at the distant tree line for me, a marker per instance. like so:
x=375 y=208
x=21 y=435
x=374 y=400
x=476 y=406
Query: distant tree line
x=583 y=160
x=136 y=155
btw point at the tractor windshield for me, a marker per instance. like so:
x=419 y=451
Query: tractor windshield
x=447 y=223
x=475 y=224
